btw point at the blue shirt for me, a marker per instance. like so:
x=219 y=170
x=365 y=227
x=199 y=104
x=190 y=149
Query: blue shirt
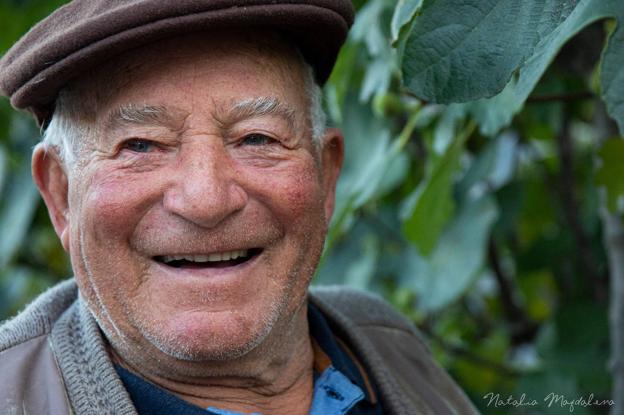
x=334 y=393
x=341 y=386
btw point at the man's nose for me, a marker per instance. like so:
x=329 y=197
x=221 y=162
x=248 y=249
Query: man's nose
x=204 y=188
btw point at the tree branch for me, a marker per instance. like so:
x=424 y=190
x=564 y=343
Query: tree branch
x=613 y=233
x=567 y=97
x=569 y=203
x=523 y=330
x=614 y=242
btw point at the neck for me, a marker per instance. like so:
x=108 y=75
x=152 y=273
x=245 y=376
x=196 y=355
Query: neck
x=275 y=377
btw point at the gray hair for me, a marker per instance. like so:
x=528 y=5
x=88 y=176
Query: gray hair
x=68 y=128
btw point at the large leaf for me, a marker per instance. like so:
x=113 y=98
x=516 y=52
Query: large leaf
x=431 y=205
x=468 y=50
x=367 y=143
x=456 y=261
x=373 y=163
x=403 y=13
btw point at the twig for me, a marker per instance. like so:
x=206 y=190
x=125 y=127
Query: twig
x=567 y=97
x=466 y=354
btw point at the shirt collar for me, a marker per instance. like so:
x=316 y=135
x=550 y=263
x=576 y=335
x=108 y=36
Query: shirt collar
x=331 y=350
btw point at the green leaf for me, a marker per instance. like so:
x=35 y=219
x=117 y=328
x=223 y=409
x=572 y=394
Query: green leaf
x=463 y=51
x=446 y=128
x=493 y=114
x=460 y=50
x=361 y=271
x=368 y=28
x=395 y=174
x=352 y=260
x=577 y=355
x=19 y=195
x=431 y=204
x=367 y=146
x=16 y=212
x=373 y=164
x=403 y=13
x=18 y=286
x=456 y=260
x=610 y=174
x=493 y=167
x=378 y=76
x=339 y=85
x=612 y=75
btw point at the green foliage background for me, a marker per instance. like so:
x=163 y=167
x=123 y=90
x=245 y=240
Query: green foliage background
x=480 y=158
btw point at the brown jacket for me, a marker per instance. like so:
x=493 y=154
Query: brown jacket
x=53 y=358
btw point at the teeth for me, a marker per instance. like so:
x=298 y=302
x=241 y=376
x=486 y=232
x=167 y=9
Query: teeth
x=214 y=257
x=222 y=256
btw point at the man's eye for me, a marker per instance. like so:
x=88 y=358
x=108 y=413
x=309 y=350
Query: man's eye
x=139 y=146
x=257 y=140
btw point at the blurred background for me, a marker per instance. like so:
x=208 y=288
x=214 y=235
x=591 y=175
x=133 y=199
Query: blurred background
x=492 y=224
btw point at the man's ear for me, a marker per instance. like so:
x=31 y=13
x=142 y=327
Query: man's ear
x=332 y=154
x=51 y=179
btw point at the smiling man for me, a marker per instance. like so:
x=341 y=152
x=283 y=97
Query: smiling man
x=189 y=174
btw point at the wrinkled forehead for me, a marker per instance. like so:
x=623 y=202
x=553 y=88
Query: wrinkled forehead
x=265 y=52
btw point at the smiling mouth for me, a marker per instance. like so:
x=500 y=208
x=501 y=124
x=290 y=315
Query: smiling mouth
x=213 y=260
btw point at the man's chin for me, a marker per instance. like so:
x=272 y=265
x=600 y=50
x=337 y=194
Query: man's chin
x=214 y=340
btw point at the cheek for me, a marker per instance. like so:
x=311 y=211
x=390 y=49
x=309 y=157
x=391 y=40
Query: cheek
x=295 y=195
x=113 y=203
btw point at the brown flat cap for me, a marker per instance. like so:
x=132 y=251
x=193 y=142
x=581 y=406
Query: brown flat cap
x=84 y=33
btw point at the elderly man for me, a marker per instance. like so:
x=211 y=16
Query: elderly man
x=189 y=175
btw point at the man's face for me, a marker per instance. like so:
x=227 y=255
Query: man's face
x=197 y=215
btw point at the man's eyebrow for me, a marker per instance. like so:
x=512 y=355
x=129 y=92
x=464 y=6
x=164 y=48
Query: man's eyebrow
x=145 y=115
x=254 y=107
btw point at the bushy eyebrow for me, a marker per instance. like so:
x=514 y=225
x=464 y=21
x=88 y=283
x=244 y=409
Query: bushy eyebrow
x=254 y=107
x=174 y=118
x=145 y=115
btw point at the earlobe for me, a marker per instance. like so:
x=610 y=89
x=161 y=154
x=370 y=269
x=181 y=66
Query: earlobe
x=332 y=157
x=51 y=179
